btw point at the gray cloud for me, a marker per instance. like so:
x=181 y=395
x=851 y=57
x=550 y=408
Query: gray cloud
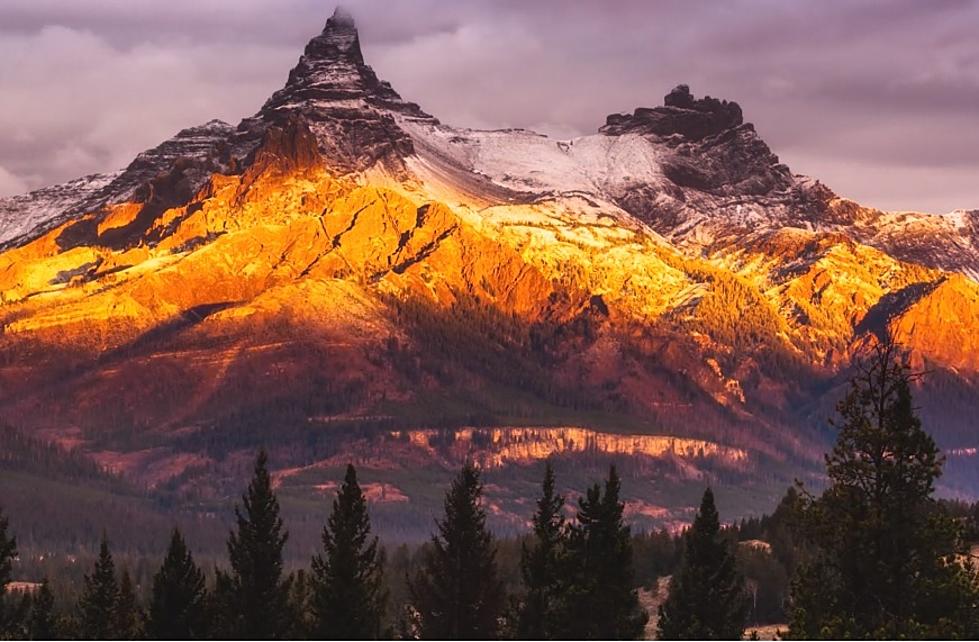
x=878 y=100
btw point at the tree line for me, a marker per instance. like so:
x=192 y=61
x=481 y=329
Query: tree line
x=875 y=555
x=578 y=578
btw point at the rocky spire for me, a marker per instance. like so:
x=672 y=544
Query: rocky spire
x=331 y=74
x=353 y=115
x=338 y=44
x=340 y=34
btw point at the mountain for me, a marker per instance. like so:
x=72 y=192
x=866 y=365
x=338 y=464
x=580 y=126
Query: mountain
x=343 y=276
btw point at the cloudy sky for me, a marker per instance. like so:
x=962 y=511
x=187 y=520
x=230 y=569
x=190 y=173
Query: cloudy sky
x=880 y=100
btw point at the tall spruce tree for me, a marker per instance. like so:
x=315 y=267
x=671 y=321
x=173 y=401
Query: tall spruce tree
x=457 y=595
x=886 y=554
x=8 y=551
x=348 y=599
x=257 y=599
x=599 y=596
x=128 y=616
x=301 y=605
x=18 y=616
x=540 y=566
x=41 y=624
x=177 y=605
x=100 y=594
x=707 y=599
x=221 y=608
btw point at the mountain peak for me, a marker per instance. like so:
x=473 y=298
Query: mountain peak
x=350 y=111
x=681 y=113
x=341 y=18
x=332 y=77
x=339 y=38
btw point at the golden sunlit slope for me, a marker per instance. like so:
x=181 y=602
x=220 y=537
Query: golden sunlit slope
x=242 y=240
x=251 y=266
x=289 y=269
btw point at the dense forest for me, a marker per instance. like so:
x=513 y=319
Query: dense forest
x=874 y=555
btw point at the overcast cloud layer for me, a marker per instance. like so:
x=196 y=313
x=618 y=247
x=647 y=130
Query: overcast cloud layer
x=878 y=100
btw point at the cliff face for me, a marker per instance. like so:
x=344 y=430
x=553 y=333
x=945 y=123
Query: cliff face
x=344 y=259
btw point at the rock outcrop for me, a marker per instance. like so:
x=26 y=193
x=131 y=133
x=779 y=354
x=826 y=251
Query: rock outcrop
x=682 y=114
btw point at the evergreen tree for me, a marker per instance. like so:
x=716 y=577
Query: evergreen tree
x=707 y=599
x=177 y=605
x=258 y=590
x=301 y=606
x=8 y=551
x=128 y=616
x=885 y=559
x=41 y=625
x=599 y=596
x=18 y=616
x=97 y=605
x=349 y=599
x=457 y=595
x=539 y=565
x=221 y=608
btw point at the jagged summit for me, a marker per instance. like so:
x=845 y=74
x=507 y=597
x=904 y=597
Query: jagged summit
x=341 y=32
x=331 y=77
x=341 y=18
x=342 y=101
x=681 y=113
x=338 y=45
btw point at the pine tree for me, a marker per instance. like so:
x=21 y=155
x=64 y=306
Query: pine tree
x=349 y=599
x=599 y=596
x=97 y=605
x=301 y=606
x=539 y=566
x=8 y=551
x=128 y=616
x=258 y=587
x=221 y=608
x=18 y=616
x=456 y=595
x=885 y=553
x=707 y=599
x=41 y=625
x=177 y=605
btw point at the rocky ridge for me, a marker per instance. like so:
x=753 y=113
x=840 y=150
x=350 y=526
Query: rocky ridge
x=189 y=157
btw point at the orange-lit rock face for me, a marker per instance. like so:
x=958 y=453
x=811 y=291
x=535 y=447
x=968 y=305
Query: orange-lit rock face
x=825 y=286
x=230 y=251
x=496 y=447
x=275 y=287
x=288 y=254
x=942 y=324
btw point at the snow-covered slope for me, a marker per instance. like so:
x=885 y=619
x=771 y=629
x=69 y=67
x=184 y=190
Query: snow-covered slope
x=190 y=157
x=20 y=215
x=692 y=170
x=947 y=241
